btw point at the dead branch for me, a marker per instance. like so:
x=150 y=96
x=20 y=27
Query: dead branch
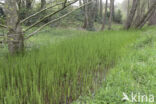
x=41 y=11
x=3 y=26
x=33 y=33
x=50 y=15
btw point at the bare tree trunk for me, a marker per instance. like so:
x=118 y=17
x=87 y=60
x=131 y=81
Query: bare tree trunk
x=111 y=15
x=86 y=14
x=97 y=10
x=101 y=8
x=138 y=14
x=143 y=7
x=152 y=20
x=28 y=4
x=113 y=10
x=148 y=4
x=131 y=14
x=127 y=9
x=147 y=16
x=91 y=15
x=90 y=12
x=15 y=36
x=43 y=4
x=80 y=2
x=105 y=16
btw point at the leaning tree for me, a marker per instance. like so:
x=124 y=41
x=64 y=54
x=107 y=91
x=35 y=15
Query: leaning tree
x=16 y=35
x=143 y=20
x=147 y=16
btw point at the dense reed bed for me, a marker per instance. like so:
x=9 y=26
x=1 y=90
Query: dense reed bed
x=58 y=73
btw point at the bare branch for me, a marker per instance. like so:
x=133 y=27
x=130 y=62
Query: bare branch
x=41 y=11
x=3 y=26
x=1 y=3
x=33 y=33
x=50 y=15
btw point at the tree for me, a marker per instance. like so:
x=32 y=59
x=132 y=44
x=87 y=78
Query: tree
x=25 y=7
x=43 y=4
x=80 y=2
x=111 y=14
x=139 y=12
x=15 y=35
x=127 y=9
x=90 y=12
x=131 y=14
x=152 y=20
x=113 y=9
x=85 y=14
x=147 y=16
x=101 y=8
x=105 y=16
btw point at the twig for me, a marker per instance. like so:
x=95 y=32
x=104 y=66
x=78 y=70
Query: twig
x=3 y=26
x=41 y=11
x=33 y=33
x=49 y=15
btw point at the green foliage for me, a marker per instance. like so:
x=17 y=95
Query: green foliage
x=118 y=16
x=59 y=72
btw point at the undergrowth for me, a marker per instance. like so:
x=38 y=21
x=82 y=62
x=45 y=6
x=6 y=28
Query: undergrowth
x=59 y=72
x=135 y=73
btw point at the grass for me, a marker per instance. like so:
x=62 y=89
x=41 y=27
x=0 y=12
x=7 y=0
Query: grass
x=58 y=72
x=134 y=73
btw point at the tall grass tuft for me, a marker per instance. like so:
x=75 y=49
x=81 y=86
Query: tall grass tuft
x=59 y=73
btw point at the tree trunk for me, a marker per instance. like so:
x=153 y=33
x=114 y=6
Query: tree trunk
x=113 y=10
x=131 y=14
x=91 y=16
x=85 y=14
x=97 y=10
x=15 y=36
x=148 y=4
x=111 y=15
x=127 y=9
x=90 y=12
x=138 y=14
x=105 y=16
x=101 y=8
x=143 y=7
x=147 y=16
x=152 y=20
x=28 y=4
x=43 y=4
x=80 y=2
